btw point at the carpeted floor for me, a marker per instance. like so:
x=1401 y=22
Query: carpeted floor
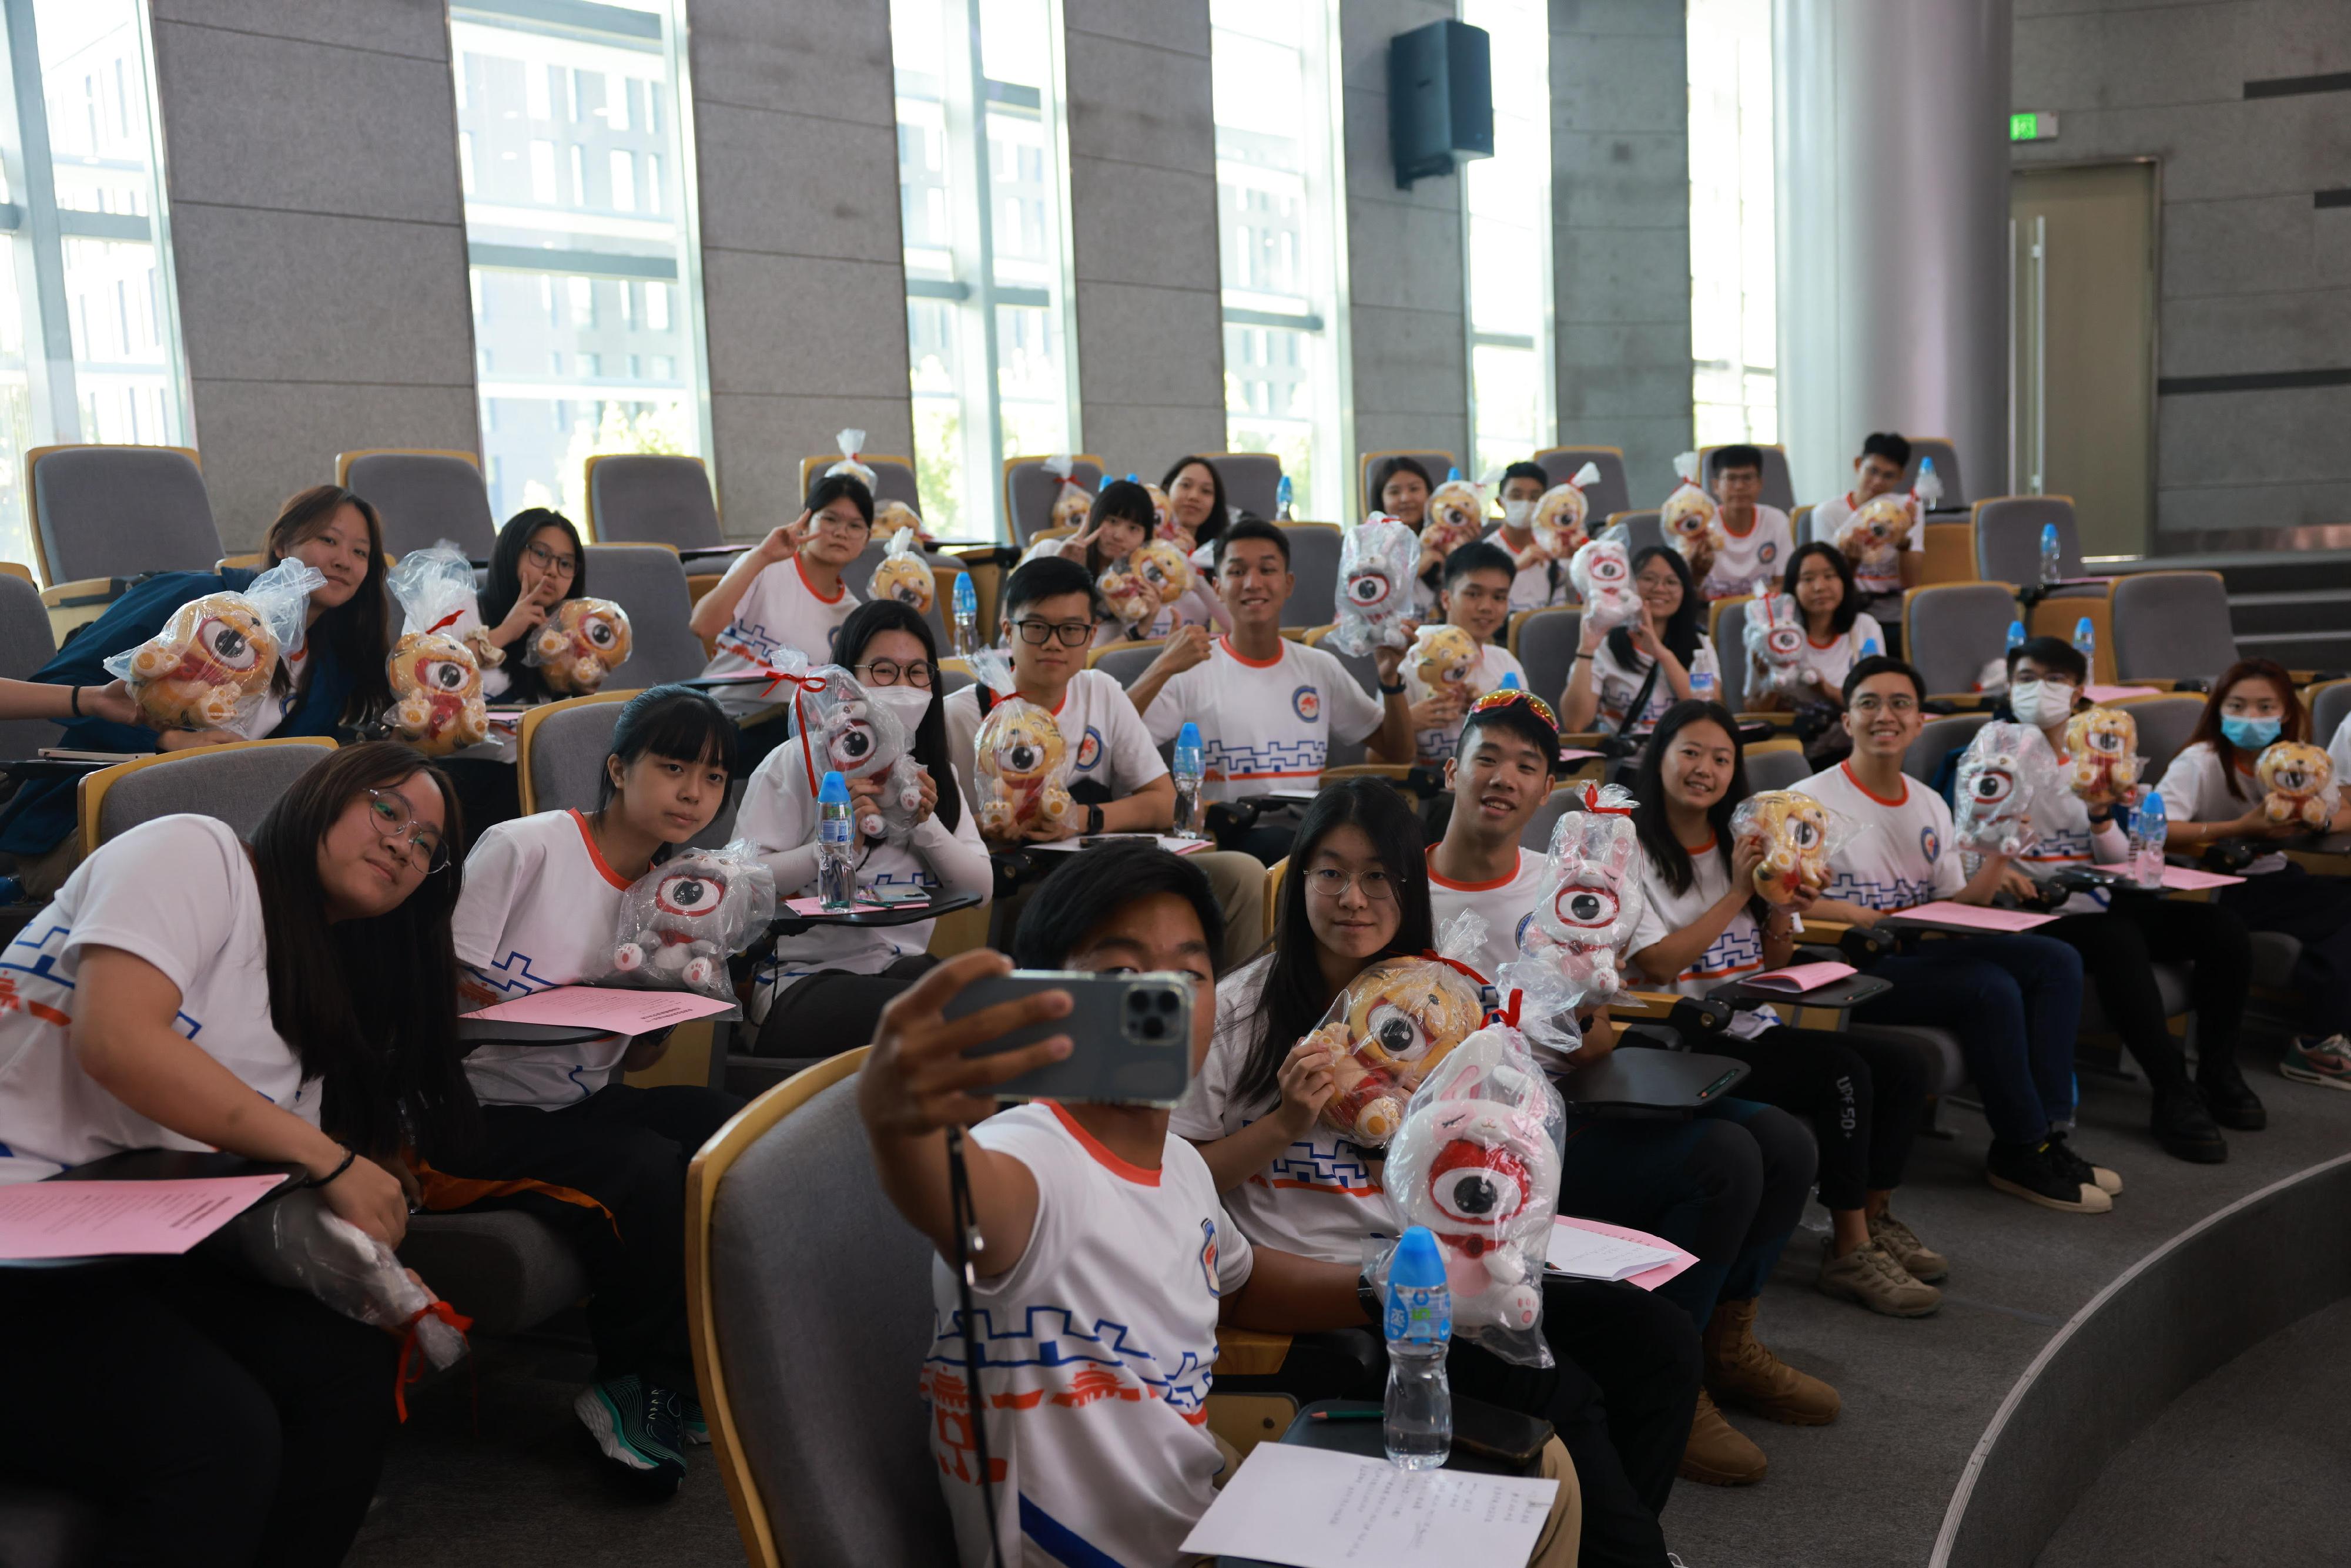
x=2244 y=1469
x=1867 y=1491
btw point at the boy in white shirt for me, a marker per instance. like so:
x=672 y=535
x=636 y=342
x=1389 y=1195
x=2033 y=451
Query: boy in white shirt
x=1501 y=776
x=1884 y=456
x=1096 y=1452
x=1542 y=583
x=1476 y=600
x=1757 y=538
x=786 y=591
x=1266 y=708
x=2014 y=1001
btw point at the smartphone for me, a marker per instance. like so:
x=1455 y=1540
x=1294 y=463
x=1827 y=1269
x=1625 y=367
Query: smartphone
x=1505 y=1437
x=896 y=895
x=1133 y=1035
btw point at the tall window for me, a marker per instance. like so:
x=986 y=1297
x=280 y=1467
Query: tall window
x=1282 y=241
x=579 y=224
x=1734 y=352
x=983 y=194
x=1508 y=198
x=89 y=342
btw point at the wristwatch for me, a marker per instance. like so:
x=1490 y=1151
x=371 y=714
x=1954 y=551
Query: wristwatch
x=1093 y=819
x=1392 y=690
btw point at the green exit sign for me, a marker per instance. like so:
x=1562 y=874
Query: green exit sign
x=2033 y=125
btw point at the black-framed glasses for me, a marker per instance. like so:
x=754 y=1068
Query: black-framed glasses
x=546 y=559
x=1073 y=633
x=1330 y=881
x=397 y=824
x=890 y=672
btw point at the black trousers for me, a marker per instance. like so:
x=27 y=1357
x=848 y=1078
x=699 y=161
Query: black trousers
x=2316 y=912
x=834 y=1010
x=1862 y=1097
x=2118 y=951
x=211 y=1419
x=625 y=1149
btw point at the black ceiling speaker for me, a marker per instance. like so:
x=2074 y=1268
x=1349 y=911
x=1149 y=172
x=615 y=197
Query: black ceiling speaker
x=1440 y=99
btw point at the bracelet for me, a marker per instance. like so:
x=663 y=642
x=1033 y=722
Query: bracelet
x=1395 y=690
x=1581 y=658
x=349 y=1155
x=74 y=696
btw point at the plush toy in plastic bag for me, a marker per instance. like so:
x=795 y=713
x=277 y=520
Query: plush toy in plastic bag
x=2102 y=761
x=1798 y=835
x=1602 y=575
x=435 y=667
x=1691 y=520
x=1394 y=1022
x=1874 y=538
x=1561 y=515
x=1586 y=909
x=1020 y=758
x=1163 y=521
x=2004 y=777
x=581 y=643
x=682 y=920
x=891 y=516
x=1070 y=501
x=903 y=575
x=1442 y=656
x=210 y=666
x=852 y=734
x=1153 y=576
x=850 y=442
x=1478 y=1162
x=1775 y=642
x=295 y=1242
x=1456 y=515
x=2293 y=778
x=1375 y=565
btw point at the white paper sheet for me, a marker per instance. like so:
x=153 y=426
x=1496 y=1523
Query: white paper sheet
x=1589 y=1255
x=1315 y=1508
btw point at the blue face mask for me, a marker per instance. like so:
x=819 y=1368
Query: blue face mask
x=2249 y=733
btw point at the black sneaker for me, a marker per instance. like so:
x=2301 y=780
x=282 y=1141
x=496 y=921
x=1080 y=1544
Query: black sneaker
x=2231 y=1100
x=637 y=1427
x=2185 y=1127
x=2060 y=1148
x=2035 y=1173
x=690 y=1417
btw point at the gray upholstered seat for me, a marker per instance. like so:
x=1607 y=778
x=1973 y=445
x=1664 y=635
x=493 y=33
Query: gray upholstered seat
x=237 y=784
x=1777 y=770
x=1947 y=469
x=1536 y=834
x=2329 y=708
x=1127 y=663
x=1029 y=493
x=1939 y=1047
x=1639 y=530
x=2008 y=538
x=501 y=1267
x=892 y=480
x=569 y=743
x=1546 y=650
x=1954 y=630
x=1778 y=484
x=820 y=1364
x=1731 y=652
x=2172 y=626
x=2164 y=725
x=2274 y=956
x=650 y=584
x=423 y=498
x=859 y=574
x=1937 y=739
x=1436 y=462
x=1607 y=494
x=1345 y=753
x=1314 y=564
x=25 y=646
x=654 y=498
x=1252 y=480
x=118 y=511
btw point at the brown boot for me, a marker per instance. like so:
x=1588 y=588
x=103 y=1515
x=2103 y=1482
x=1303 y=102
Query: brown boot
x=1740 y=1371
x=1718 y=1453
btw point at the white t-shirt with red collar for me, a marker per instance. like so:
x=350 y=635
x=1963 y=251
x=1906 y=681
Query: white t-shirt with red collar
x=781 y=609
x=1761 y=551
x=1898 y=852
x=1494 y=661
x=1737 y=952
x=1265 y=724
x=1095 y=1351
x=1506 y=904
x=539 y=909
x=1105 y=736
x=1843 y=652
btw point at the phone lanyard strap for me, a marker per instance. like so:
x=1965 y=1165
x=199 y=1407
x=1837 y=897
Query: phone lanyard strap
x=969 y=1241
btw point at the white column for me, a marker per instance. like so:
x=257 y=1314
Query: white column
x=1893 y=167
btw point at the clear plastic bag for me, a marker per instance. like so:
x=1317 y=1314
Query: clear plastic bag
x=903 y=575
x=682 y=920
x=2102 y=759
x=1442 y=656
x=1153 y=576
x=1163 y=521
x=1602 y=575
x=298 y=1243
x=1561 y=515
x=851 y=442
x=1775 y=642
x=583 y=642
x=2004 y=779
x=1586 y=908
x=1020 y=758
x=210 y=666
x=2294 y=778
x=435 y=667
x=849 y=733
x=890 y=516
x=1375 y=565
x=1798 y=834
x=1393 y=1023
x=1691 y=520
x=1478 y=1162
x=1874 y=538
x=1455 y=515
x=1071 y=501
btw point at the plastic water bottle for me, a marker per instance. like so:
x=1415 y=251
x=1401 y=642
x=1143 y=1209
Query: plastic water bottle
x=2085 y=643
x=1281 y=493
x=1929 y=486
x=1869 y=648
x=836 y=838
x=2015 y=633
x=1510 y=682
x=2148 y=825
x=967 y=615
x=1705 y=677
x=1451 y=475
x=2051 y=568
x=1418 y=1424
x=1189 y=770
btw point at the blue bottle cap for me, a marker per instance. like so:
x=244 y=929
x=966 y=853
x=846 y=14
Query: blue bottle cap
x=2048 y=533
x=2083 y=629
x=965 y=596
x=1510 y=682
x=833 y=791
x=1451 y=475
x=1188 y=736
x=1419 y=1305
x=1926 y=465
x=1281 y=491
x=2015 y=633
x=1869 y=648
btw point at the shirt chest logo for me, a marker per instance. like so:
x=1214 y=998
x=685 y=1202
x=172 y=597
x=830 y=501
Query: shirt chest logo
x=1089 y=750
x=1208 y=1256
x=1769 y=553
x=1930 y=845
x=1307 y=703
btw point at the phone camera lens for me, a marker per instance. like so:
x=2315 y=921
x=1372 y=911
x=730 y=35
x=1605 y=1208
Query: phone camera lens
x=1167 y=1003
x=1153 y=1028
x=1137 y=1001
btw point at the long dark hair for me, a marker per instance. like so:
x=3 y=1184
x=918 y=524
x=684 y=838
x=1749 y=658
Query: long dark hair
x=505 y=586
x=2294 y=723
x=1390 y=469
x=1841 y=619
x=1658 y=840
x=370 y=1006
x=1296 y=995
x=1213 y=523
x=869 y=621
x=360 y=628
x=1128 y=502
x=1682 y=628
x=672 y=721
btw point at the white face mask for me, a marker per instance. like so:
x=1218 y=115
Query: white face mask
x=2040 y=703
x=906 y=704
x=1515 y=514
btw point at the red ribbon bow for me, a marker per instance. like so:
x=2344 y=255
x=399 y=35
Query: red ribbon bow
x=412 y=1354
x=1591 y=804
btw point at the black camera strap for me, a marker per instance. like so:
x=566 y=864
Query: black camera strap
x=969 y=1243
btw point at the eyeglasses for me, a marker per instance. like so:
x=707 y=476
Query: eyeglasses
x=546 y=559
x=396 y=823
x=1330 y=881
x=843 y=524
x=889 y=671
x=1073 y=633
x=1870 y=702
x=1508 y=695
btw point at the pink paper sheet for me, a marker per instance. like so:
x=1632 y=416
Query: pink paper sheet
x=1577 y=754
x=2188 y=879
x=105 y=1218
x=598 y=1007
x=1948 y=913
x=1649 y=1280
x=2116 y=694
x=816 y=906
x=1797 y=978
